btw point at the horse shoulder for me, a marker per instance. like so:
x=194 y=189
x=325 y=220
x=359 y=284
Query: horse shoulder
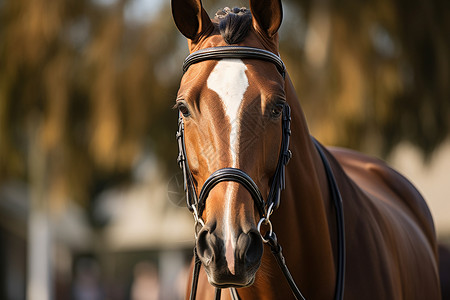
x=376 y=177
x=383 y=205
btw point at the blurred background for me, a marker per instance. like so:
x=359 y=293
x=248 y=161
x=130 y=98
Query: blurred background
x=90 y=205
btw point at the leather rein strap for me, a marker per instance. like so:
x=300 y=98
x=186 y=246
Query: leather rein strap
x=265 y=208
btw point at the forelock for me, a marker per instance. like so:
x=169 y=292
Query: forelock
x=234 y=24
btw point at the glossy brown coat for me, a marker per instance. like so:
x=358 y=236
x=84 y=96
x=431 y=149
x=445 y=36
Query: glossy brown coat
x=390 y=238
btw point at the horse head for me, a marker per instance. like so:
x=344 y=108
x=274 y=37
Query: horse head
x=232 y=111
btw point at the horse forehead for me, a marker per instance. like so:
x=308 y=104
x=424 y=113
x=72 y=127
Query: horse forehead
x=229 y=80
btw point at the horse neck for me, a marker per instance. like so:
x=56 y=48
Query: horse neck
x=302 y=220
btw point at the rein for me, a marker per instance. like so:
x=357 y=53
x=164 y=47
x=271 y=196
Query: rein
x=265 y=208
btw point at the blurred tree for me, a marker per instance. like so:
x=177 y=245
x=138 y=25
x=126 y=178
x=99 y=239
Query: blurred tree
x=96 y=87
x=82 y=81
x=374 y=73
x=84 y=92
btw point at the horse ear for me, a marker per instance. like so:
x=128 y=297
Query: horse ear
x=267 y=16
x=190 y=17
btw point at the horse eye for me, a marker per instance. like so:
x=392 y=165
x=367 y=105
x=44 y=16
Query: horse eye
x=276 y=110
x=184 y=110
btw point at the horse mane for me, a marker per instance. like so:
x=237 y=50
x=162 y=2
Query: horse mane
x=234 y=24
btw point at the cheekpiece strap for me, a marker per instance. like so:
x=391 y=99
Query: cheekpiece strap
x=279 y=178
x=189 y=189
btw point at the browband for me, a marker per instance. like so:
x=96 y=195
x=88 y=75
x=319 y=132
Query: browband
x=234 y=52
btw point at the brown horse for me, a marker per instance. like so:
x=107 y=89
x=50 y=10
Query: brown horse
x=231 y=118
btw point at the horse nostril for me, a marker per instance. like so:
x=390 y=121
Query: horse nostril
x=204 y=246
x=251 y=248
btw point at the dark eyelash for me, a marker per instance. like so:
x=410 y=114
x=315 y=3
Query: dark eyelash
x=182 y=107
x=280 y=101
x=177 y=105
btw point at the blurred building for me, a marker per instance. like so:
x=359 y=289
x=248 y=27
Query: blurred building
x=139 y=247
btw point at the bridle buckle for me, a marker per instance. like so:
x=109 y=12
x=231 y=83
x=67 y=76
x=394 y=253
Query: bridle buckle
x=198 y=221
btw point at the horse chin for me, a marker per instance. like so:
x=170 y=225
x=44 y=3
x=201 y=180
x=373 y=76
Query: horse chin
x=230 y=281
x=231 y=284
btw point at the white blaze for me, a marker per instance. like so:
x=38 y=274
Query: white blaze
x=229 y=81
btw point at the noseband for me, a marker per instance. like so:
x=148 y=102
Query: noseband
x=265 y=208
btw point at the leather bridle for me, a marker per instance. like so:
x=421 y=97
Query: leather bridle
x=265 y=208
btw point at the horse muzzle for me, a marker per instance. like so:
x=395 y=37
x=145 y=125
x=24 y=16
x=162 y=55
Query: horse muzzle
x=230 y=261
